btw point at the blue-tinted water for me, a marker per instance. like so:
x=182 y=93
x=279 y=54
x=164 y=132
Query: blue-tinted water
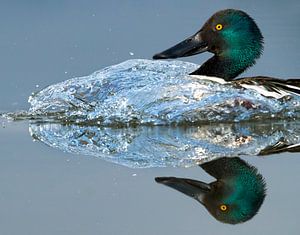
x=46 y=190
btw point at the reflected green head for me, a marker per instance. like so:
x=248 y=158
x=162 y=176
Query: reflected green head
x=237 y=194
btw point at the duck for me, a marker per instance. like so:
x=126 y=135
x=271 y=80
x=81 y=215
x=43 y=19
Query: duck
x=151 y=92
x=236 y=43
x=235 y=197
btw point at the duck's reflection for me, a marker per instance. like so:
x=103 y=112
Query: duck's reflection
x=234 y=197
x=162 y=146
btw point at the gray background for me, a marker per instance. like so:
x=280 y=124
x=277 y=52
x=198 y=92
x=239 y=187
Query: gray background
x=45 y=191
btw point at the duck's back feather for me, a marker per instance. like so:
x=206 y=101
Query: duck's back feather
x=280 y=147
x=271 y=87
x=266 y=86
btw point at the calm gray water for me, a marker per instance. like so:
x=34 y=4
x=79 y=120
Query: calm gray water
x=44 y=190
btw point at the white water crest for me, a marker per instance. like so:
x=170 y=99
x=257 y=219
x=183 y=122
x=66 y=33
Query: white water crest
x=153 y=93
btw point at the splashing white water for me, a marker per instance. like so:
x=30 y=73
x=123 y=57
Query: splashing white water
x=154 y=93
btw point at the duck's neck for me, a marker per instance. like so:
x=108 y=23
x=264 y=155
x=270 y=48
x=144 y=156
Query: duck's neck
x=223 y=67
x=231 y=63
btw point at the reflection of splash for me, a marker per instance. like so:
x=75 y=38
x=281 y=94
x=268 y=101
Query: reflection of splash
x=154 y=93
x=144 y=146
x=235 y=196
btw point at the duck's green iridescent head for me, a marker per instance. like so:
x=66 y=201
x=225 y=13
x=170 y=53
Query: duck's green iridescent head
x=234 y=197
x=233 y=37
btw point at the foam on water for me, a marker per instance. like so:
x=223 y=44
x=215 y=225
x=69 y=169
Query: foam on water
x=153 y=93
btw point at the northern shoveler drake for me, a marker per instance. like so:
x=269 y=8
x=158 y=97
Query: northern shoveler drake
x=236 y=42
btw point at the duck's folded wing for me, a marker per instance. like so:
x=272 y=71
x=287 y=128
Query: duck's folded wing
x=280 y=147
x=271 y=87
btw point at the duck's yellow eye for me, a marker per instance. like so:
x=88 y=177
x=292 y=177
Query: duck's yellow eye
x=219 y=27
x=223 y=207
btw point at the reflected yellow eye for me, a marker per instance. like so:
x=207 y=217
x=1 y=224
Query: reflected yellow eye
x=223 y=207
x=219 y=27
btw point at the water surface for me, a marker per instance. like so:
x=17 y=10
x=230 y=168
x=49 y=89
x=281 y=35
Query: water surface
x=44 y=190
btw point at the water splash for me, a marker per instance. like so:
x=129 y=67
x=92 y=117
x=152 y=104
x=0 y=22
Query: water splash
x=143 y=146
x=152 y=93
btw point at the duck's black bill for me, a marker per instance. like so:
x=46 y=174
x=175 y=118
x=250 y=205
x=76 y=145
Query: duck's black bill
x=190 y=46
x=193 y=188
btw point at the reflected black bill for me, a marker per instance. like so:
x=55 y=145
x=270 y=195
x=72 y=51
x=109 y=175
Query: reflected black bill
x=190 y=187
x=190 y=46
